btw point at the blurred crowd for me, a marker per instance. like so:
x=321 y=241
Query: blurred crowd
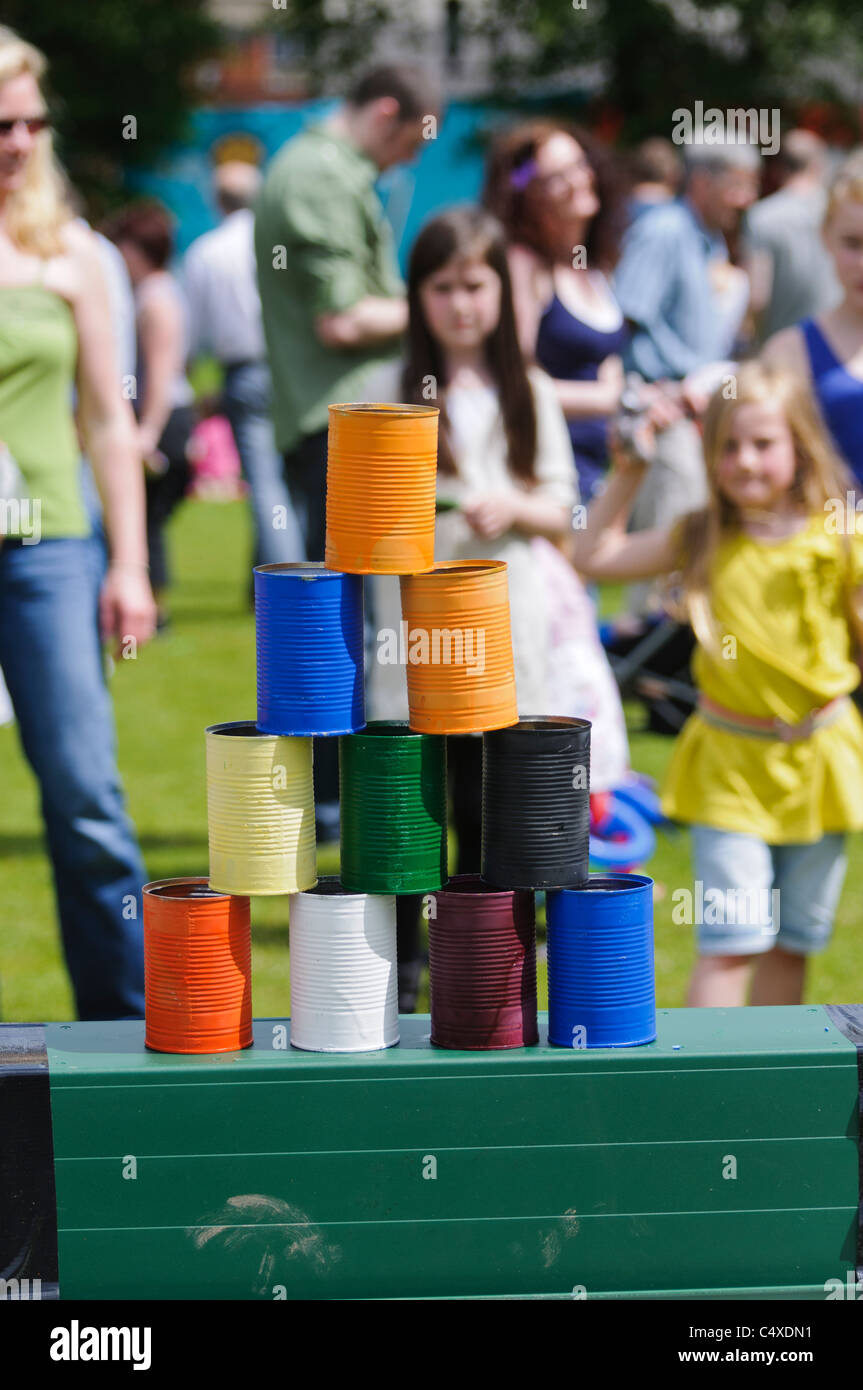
x=593 y=301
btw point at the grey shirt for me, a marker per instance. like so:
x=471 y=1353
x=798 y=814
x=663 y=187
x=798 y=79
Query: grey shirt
x=787 y=227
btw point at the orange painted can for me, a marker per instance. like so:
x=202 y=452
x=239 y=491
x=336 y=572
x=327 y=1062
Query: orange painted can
x=381 y=475
x=197 y=968
x=456 y=645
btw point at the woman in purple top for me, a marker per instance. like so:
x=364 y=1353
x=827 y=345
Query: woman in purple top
x=557 y=196
x=828 y=350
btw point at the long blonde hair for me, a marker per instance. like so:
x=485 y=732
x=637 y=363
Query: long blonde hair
x=847 y=185
x=36 y=212
x=820 y=476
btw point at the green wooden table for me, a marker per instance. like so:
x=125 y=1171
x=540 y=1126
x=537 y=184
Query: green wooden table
x=719 y=1161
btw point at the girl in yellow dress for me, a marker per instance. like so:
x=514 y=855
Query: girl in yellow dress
x=768 y=770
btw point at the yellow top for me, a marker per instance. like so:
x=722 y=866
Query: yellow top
x=780 y=609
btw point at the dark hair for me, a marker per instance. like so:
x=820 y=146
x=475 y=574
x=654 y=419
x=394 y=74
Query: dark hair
x=507 y=196
x=413 y=88
x=148 y=226
x=657 y=160
x=230 y=201
x=470 y=232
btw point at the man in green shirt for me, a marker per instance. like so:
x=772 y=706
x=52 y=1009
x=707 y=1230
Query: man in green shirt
x=333 y=301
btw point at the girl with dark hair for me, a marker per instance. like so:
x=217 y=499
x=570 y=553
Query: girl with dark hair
x=504 y=468
x=558 y=197
x=505 y=476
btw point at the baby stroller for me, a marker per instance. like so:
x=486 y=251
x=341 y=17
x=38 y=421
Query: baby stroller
x=652 y=665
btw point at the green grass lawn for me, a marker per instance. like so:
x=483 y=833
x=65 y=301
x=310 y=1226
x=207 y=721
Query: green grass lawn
x=203 y=672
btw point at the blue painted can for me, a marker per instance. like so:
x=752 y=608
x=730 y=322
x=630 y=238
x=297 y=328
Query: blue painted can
x=309 y=643
x=600 y=963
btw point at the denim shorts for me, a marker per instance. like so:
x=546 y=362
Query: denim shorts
x=750 y=896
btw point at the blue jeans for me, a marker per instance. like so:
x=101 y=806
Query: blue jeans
x=51 y=656
x=246 y=399
x=757 y=896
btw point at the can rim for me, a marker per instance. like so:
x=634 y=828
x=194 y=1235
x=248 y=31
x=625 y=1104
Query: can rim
x=238 y=728
x=460 y=567
x=331 y=886
x=470 y=885
x=605 y=883
x=544 y=724
x=396 y=409
x=397 y=728
x=315 y=569
x=181 y=888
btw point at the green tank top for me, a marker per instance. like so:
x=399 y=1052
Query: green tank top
x=38 y=354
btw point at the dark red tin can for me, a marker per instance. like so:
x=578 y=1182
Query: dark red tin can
x=482 y=965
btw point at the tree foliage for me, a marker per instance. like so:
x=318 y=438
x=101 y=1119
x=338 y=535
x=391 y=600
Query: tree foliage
x=656 y=55
x=110 y=60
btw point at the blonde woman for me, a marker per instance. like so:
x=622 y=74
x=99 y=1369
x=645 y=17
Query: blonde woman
x=769 y=769
x=828 y=350
x=56 y=597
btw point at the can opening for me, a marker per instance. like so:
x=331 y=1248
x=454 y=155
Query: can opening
x=461 y=567
x=330 y=886
x=546 y=723
x=183 y=888
x=391 y=728
x=290 y=566
x=383 y=408
x=473 y=883
x=611 y=883
x=240 y=728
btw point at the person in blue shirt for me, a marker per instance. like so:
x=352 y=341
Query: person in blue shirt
x=827 y=350
x=670 y=283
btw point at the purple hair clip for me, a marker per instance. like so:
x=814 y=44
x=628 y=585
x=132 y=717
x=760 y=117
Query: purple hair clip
x=521 y=176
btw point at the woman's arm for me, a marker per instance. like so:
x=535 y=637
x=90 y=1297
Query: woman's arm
x=531 y=290
x=108 y=430
x=160 y=334
x=786 y=349
x=593 y=398
x=605 y=549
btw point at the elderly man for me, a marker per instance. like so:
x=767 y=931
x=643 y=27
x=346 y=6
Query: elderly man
x=674 y=285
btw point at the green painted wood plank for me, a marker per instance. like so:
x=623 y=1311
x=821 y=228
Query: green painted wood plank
x=456 y=1258
x=454 y=1111
x=593 y=1181
x=81 y=1053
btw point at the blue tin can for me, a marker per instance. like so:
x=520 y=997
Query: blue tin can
x=309 y=644
x=600 y=963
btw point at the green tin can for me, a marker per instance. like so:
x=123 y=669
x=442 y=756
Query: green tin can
x=393 y=809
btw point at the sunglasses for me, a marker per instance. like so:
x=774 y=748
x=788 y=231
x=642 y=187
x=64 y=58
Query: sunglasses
x=34 y=124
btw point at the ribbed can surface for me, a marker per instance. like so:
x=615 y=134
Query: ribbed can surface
x=393 y=809
x=260 y=811
x=381 y=472
x=458 y=645
x=344 y=976
x=600 y=963
x=309 y=646
x=482 y=966
x=198 y=968
x=536 y=804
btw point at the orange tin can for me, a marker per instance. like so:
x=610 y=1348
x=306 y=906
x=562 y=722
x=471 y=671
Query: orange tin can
x=456 y=644
x=197 y=968
x=381 y=476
